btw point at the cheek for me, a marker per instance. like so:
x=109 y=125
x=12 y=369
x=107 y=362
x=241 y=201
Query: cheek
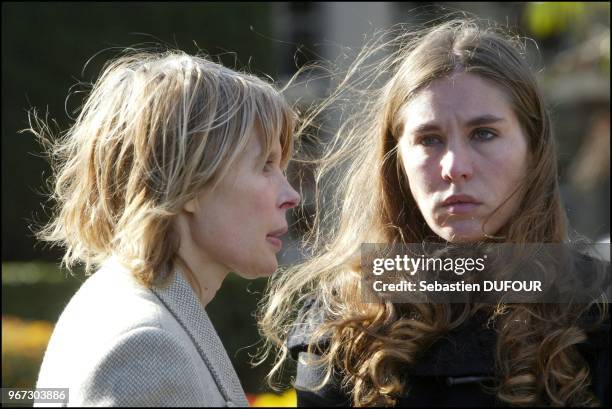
x=233 y=229
x=264 y=198
x=217 y=226
x=507 y=168
x=255 y=212
x=257 y=203
x=228 y=219
x=258 y=217
x=422 y=174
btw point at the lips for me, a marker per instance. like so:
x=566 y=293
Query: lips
x=275 y=237
x=460 y=203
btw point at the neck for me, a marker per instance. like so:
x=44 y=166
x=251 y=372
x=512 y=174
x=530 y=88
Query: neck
x=202 y=272
x=204 y=276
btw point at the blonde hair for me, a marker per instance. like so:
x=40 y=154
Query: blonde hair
x=370 y=343
x=156 y=129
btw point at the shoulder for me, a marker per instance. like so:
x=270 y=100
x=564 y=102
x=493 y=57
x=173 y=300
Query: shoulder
x=112 y=331
x=117 y=379
x=108 y=304
x=144 y=366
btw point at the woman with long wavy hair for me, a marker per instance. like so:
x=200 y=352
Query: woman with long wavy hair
x=454 y=146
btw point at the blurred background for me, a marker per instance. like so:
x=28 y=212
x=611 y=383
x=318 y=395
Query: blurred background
x=45 y=47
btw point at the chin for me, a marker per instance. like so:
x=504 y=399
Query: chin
x=462 y=230
x=455 y=235
x=464 y=239
x=259 y=271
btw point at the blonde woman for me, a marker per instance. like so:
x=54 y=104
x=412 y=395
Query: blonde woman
x=455 y=146
x=171 y=177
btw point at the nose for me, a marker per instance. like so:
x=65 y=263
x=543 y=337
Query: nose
x=456 y=164
x=289 y=198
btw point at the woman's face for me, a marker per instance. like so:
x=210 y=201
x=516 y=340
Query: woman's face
x=238 y=225
x=464 y=154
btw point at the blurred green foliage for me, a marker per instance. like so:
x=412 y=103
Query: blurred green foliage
x=548 y=20
x=37 y=291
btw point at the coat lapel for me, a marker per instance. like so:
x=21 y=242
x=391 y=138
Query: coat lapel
x=180 y=299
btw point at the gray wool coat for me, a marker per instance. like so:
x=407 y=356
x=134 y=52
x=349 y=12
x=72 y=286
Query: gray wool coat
x=118 y=343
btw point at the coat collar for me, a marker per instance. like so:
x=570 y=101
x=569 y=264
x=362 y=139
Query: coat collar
x=465 y=351
x=180 y=299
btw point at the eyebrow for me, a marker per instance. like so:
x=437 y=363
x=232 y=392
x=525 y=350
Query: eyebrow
x=262 y=156
x=479 y=120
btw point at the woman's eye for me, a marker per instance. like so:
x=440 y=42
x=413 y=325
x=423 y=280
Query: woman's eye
x=484 y=134
x=430 y=140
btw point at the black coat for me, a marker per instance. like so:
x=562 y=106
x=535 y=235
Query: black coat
x=452 y=372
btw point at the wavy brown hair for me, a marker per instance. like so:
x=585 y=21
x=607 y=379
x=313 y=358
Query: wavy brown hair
x=156 y=129
x=370 y=344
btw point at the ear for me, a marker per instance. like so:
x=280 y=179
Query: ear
x=191 y=206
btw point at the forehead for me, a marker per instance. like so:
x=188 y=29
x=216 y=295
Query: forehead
x=462 y=96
